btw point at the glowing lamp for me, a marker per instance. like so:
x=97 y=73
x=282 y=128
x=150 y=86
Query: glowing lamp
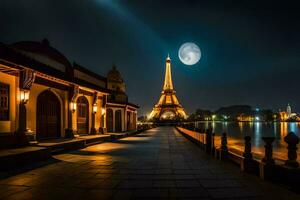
x=95 y=108
x=73 y=106
x=24 y=96
x=103 y=111
x=213 y=117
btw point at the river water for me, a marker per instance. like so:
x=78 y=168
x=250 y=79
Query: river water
x=236 y=132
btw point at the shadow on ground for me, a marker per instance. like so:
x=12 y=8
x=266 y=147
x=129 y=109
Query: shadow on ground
x=19 y=170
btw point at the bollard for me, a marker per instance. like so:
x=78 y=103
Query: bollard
x=202 y=140
x=268 y=159
x=208 y=141
x=267 y=165
x=198 y=130
x=247 y=151
x=247 y=164
x=213 y=148
x=292 y=140
x=224 y=149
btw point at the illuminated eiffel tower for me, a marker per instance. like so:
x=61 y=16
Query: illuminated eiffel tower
x=168 y=107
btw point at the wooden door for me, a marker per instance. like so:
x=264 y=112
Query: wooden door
x=48 y=116
x=109 y=120
x=118 y=121
x=128 y=121
x=82 y=115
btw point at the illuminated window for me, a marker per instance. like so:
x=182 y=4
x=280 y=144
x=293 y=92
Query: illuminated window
x=4 y=102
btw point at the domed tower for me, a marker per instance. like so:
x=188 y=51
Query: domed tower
x=116 y=84
x=289 y=110
x=121 y=115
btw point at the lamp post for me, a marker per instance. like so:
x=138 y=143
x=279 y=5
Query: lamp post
x=21 y=134
x=24 y=96
x=73 y=107
x=95 y=109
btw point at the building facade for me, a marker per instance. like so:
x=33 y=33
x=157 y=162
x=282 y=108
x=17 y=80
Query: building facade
x=121 y=115
x=44 y=96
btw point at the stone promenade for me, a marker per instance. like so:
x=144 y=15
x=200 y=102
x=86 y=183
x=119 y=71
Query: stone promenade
x=157 y=164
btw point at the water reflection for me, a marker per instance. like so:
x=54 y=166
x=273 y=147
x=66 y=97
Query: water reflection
x=238 y=130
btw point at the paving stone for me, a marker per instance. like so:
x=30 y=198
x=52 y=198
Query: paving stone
x=97 y=194
x=233 y=193
x=183 y=176
x=219 y=183
x=164 y=171
x=164 y=184
x=122 y=195
x=187 y=183
x=150 y=193
x=133 y=184
x=185 y=193
x=158 y=164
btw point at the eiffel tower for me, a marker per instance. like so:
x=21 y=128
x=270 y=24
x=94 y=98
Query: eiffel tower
x=168 y=107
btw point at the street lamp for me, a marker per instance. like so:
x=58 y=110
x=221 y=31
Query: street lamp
x=95 y=108
x=24 y=96
x=73 y=106
x=213 y=117
x=103 y=111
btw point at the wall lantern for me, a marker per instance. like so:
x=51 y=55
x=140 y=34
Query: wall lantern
x=95 y=108
x=73 y=106
x=103 y=111
x=24 y=96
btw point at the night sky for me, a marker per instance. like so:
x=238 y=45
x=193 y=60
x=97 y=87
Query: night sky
x=250 y=50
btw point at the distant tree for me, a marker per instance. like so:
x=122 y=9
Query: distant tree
x=203 y=114
x=142 y=118
x=267 y=115
x=192 y=117
x=232 y=112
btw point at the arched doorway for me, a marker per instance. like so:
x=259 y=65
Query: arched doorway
x=134 y=121
x=48 y=116
x=128 y=121
x=82 y=115
x=118 y=121
x=109 y=120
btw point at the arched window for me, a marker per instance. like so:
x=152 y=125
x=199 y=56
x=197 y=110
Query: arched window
x=48 y=116
x=4 y=102
x=82 y=115
x=109 y=120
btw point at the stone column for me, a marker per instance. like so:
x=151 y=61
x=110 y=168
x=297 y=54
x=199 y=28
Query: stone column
x=213 y=149
x=26 y=79
x=224 y=149
x=72 y=95
x=93 y=129
x=95 y=98
x=292 y=140
x=21 y=138
x=267 y=165
x=102 y=128
x=208 y=141
x=268 y=159
x=247 y=164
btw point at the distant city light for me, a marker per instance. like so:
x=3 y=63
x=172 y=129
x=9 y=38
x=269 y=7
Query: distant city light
x=213 y=117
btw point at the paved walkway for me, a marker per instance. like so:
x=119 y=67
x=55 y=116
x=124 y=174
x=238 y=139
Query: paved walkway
x=159 y=163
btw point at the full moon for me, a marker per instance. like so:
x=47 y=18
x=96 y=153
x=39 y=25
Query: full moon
x=189 y=53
